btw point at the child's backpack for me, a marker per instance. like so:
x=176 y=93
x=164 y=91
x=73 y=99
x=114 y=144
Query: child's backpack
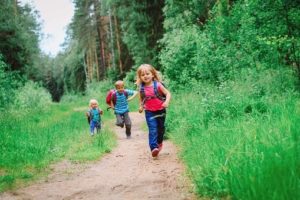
x=158 y=94
x=90 y=115
x=111 y=96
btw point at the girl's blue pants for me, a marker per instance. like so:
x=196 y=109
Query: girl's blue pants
x=156 y=125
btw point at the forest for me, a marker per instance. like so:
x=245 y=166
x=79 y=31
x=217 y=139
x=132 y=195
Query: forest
x=233 y=67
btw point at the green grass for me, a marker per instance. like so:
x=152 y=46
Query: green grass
x=236 y=153
x=32 y=140
x=237 y=142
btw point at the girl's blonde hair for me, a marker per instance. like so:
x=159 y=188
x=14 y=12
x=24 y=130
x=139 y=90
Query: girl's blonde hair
x=93 y=101
x=146 y=67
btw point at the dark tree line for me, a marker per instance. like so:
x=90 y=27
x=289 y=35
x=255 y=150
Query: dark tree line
x=185 y=39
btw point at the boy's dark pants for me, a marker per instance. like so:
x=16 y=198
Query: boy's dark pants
x=124 y=119
x=156 y=125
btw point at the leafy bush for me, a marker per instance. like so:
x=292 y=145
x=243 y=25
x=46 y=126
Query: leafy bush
x=97 y=89
x=70 y=98
x=244 y=37
x=8 y=84
x=32 y=96
x=178 y=58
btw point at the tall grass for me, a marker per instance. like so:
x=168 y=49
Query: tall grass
x=31 y=140
x=238 y=141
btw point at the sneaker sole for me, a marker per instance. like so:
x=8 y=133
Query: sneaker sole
x=155 y=152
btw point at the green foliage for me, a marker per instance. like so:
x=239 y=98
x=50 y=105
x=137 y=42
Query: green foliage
x=91 y=150
x=181 y=14
x=141 y=24
x=232 y=64
x=31 y=141
x=19 y=36
x=50 y=74
x=99 y=89
x=178 y=58
x=239 y=139
x=248 y=37
x=32 y=97
x=8 y=84
x=113 y=74
x=238 y=73
x=73 y=75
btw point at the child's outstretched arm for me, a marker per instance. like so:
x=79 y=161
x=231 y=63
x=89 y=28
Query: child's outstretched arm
x=133 y=96
x=141 y=108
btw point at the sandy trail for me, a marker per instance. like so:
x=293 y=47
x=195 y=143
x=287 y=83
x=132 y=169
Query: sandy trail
x=127 y=173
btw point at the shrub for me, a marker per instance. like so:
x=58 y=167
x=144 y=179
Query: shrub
x=8 y=84
x=32 y=96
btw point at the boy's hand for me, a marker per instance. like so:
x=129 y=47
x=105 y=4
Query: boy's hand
x=107 y=109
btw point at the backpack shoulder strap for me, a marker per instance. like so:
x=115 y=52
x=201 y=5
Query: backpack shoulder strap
x=126 y=94
x=157 y=93
x=114 y=96
x=155 y=88
x=142 y=90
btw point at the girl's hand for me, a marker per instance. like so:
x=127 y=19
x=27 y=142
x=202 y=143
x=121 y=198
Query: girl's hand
x=141 y=109
x=165 y=105
x=168 y=96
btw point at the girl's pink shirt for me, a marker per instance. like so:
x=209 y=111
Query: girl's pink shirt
x=153 y=104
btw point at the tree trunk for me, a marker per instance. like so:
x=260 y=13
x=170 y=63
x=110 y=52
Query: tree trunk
x=100 y=50
x=90 y=59
x=112 y=39
x=118 y=42
x=94 y=52
x=85 y=70
x=292 y=58
x=16 y=7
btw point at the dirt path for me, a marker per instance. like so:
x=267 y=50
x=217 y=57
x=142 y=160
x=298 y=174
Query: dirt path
x=127 y=173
